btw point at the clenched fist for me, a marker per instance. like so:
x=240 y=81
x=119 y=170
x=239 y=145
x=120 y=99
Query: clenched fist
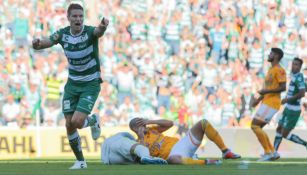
x=104 y=22
x=36 y=43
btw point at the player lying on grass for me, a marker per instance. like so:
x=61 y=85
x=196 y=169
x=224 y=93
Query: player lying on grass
x=122 y=148
x=177 y=151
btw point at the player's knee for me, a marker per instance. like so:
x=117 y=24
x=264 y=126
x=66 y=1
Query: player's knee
x=204 y=123
x=284 y=135
x=76 y=123
x=278 y=129
x=254 y=127
x=68 y=124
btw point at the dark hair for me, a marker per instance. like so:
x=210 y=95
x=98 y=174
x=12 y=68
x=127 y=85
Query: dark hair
x=133 y=122
x=73 y=7
x=299 y=60
x=278 y=51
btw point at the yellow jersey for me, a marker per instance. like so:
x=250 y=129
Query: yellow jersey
x=158 y=144
x=275 y=75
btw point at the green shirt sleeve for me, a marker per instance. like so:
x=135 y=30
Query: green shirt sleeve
x=300 y=82
x=55 y=37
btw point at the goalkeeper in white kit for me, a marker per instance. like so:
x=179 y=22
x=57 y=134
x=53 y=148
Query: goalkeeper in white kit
x=122 y=148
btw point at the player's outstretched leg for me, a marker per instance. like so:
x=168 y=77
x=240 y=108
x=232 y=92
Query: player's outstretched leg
x=215 y=137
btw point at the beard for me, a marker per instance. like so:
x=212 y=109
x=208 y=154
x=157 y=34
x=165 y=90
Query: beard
x=270 y=59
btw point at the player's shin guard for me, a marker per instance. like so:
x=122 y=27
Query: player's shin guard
x=261 y=135
x=212 y=134
x=190 y=161
x=296 y=139
x=277 y=141
x=75 y=144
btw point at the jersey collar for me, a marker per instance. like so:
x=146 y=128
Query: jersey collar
x=77 y=33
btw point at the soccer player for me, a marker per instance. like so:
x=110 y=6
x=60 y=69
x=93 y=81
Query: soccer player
x=122 y=148
x=178 y=151
x=292 y=110
x=80 y=44
x=275 y=83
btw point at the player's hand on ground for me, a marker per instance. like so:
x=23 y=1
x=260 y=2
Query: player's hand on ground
x=36 y=43
x=104 y=22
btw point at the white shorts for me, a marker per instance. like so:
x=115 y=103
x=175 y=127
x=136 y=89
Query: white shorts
x=265 y=113
x=186 y=146
x=116 y=149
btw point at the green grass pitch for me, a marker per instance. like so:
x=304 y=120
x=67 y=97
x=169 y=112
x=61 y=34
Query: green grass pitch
x=229 y=167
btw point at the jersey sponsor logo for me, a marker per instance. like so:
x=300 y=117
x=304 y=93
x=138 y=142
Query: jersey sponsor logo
x=74 y=62
x=82 y=46
x=74 y=40
x=80 y=68
x=79 y=54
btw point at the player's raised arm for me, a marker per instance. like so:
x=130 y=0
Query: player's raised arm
x=162 y=125
x=39 y=44
x=101 y=28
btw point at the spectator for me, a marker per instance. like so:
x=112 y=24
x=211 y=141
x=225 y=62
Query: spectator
x=158 y=49
x=11 y=111
x=125 y=77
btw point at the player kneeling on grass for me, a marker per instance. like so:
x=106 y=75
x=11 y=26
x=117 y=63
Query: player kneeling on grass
x=177 y=151
x=122 y=148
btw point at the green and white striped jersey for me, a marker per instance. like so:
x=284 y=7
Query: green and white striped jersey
x=82 y=53
x=296 y=84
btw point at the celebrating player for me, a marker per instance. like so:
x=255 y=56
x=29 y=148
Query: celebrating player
x=292 y=110
x=275 y=83
x=122 y=148
x=178 y=151
x=80 y=44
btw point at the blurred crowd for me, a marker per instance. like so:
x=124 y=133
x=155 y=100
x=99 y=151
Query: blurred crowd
x=183 y=60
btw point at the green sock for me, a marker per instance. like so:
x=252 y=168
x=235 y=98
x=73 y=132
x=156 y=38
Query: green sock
x=75 y=144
